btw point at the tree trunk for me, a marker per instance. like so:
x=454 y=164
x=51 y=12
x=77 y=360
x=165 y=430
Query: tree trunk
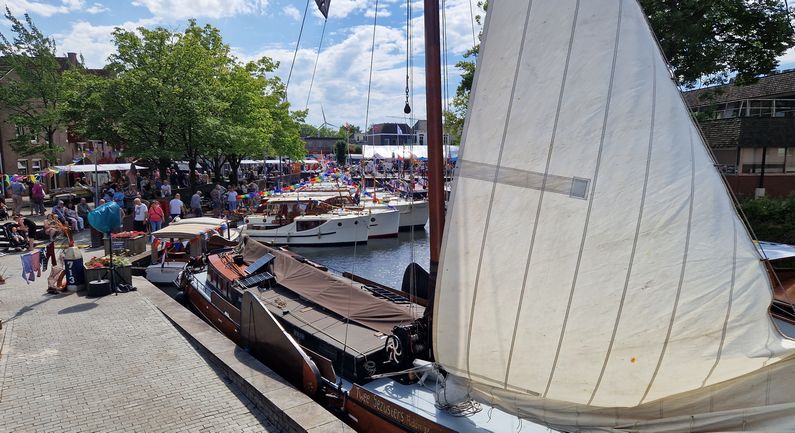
x=234 y=164
x=162 y=165
x=192 y=174
x=218 y=168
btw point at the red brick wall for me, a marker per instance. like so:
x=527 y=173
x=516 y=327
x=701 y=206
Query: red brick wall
x=775 y=185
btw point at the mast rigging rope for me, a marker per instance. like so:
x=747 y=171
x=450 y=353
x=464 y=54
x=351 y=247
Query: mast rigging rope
x=314 y=70
x=297 y=46
x=370 y=79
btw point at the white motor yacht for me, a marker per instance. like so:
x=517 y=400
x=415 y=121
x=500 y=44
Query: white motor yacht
x=326 y=229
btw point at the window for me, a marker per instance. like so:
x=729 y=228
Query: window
x=790 y=160
x=422 y=139
x=579 y=188
x=22 y=167
x=35 y=165
x=307 y=225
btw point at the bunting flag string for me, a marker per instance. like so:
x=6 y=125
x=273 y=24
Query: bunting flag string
x=37 y=177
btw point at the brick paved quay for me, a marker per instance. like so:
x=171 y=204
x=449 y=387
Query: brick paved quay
x=114 y=364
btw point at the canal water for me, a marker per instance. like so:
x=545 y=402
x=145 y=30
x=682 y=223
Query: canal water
x=380 y=260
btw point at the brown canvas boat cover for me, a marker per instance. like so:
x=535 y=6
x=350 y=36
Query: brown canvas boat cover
x=339 y=295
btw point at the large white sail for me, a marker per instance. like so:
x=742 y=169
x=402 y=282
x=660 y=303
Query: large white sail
x=592 y=256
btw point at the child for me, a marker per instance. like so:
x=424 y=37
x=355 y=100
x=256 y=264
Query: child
x=17 y=237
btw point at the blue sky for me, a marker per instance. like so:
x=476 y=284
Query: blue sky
x=254 y=28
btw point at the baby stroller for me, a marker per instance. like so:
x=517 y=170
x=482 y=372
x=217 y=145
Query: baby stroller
x=15 y=244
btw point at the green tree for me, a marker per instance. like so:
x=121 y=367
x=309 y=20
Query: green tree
x=340 y=151
x=705 y=41
x=204 y=63
x=711 y=41
x=244 y=128
x=31 y=87
x=86 y=107
x=145 y=93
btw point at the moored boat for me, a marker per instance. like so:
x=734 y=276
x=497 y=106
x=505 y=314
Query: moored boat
x=594 y=276
x=179 y=243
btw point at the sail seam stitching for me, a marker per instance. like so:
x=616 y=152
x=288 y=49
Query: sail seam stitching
x=593 y=198
x=552 y=139
x=494 y=186
x=637 y=231
x=682 y=272
x=728 y=310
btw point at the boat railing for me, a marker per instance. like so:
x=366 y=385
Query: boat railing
x=201 y=285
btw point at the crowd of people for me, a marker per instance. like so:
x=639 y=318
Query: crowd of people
x=152 y=199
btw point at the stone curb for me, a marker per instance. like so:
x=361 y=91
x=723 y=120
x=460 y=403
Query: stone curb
x=288 y=408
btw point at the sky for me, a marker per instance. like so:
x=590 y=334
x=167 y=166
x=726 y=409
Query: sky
x=256 y=28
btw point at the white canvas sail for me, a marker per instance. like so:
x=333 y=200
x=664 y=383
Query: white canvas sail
x=594 y=270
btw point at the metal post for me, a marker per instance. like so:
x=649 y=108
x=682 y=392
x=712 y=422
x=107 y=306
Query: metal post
x=433 y=85
x=764 y=162
x=96 y=182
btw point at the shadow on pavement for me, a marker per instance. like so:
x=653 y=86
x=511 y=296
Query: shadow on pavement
x=79 y=308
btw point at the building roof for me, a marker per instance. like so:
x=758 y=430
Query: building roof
x=771 y=86
x=723 y=133
x=774 y=132
x=390 y=128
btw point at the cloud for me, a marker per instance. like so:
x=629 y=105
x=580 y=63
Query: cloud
x=171 y=10
x=94 y=42
x=97 y=8
x=43 y=9
x=343 y=71
x=292 y=12
x=788 y=58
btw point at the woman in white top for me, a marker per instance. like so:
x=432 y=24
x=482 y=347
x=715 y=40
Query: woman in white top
x=140 y=215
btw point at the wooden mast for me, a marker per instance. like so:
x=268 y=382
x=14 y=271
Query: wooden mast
x=433 y=104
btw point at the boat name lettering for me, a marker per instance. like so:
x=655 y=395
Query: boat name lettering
x=395 y=412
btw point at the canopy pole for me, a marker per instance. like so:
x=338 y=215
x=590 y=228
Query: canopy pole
x=433 y=104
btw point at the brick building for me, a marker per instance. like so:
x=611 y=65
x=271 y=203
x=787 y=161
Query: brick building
x=751 y=130
x=13 y=163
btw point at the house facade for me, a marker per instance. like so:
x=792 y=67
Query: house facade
x=751 y=131
x=11 y=162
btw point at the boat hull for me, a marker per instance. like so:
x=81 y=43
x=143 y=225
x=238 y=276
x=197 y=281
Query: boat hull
x=164 y=273
x=412 y=214
x=383 y=223
x=333 y=232
x=200 y=301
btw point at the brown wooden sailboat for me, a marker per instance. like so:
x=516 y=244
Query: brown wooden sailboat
x=630 y=297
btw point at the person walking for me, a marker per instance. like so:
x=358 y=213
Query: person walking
x=175 y=207
x=231 y=198
x=37 y=196
x=156 y=217
x=17 y=191
x=196 y=204
x=140 y=215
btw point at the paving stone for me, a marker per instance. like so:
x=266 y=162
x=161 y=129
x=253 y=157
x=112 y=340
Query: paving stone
x=113 y=364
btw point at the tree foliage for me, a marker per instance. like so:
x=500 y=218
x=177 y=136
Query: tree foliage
x=31 y=88
x=711 y=41
x=705 y=41
x=183 y=96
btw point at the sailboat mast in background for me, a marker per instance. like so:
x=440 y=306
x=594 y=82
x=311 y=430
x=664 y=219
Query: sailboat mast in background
x=433 y=89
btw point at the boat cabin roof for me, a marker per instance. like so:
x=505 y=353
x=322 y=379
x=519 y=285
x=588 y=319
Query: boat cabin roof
x=182 y=231
x=208 y=221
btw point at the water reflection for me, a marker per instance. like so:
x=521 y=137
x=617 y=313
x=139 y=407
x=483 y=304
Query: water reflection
x=381 y=260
